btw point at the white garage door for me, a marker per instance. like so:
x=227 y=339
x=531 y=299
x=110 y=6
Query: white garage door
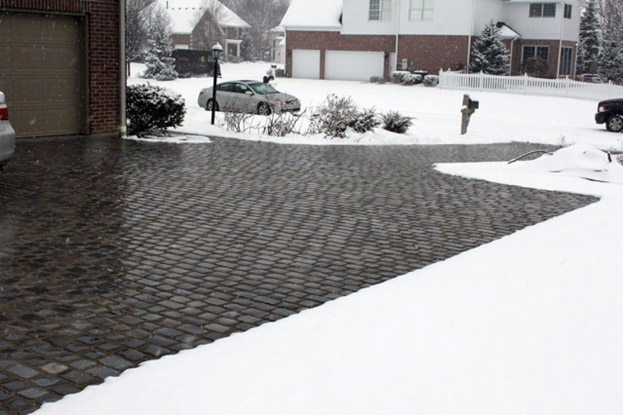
x=306 y=64
x=354 y=66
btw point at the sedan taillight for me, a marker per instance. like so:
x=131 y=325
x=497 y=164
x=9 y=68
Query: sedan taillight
x=4 y=112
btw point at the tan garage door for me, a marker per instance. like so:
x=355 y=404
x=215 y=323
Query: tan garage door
x=41 y=73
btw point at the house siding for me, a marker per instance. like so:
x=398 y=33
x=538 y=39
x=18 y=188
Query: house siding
x=102 y=55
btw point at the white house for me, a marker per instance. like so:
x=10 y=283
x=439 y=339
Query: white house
x=358 y=39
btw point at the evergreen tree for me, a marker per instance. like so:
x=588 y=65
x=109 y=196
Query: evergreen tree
x=590 y=48
x=159 y=63
x=489 y=54
x=611 y=62
x=247 y=49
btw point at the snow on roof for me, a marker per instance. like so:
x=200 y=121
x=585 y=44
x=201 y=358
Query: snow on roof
x=507 y=32
x=310 y=15
x=185 y=14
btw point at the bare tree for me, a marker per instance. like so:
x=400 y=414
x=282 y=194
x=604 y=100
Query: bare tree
x=136 y=32
x=262 y=16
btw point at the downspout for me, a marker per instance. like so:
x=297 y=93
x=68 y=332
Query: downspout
x=562 y=19
x=122 y=71
x=469 y=37
x=397 y=36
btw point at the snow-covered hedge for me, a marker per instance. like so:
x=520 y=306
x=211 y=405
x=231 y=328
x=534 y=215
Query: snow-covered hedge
x=431 y=80
x=152 y=107
x=396 y=122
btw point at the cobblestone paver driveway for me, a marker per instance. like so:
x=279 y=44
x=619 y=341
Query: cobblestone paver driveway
x=115 y=252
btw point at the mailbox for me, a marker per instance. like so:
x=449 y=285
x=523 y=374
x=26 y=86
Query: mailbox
x=469 y=107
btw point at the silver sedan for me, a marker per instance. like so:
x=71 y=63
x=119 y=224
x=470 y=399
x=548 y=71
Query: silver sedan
x=7 y=133
x=252 y=97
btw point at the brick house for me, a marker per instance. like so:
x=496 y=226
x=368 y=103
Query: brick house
x=358 y=39
x=59 y=66
x=198 y=24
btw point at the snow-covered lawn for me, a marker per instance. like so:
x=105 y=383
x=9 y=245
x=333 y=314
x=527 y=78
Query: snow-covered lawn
x=501 y=117
x=528 y=324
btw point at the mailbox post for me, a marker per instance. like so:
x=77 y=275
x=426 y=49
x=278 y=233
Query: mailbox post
x=469 y=107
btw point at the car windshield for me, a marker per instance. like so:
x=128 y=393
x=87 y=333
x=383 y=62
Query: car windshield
x=263 y=89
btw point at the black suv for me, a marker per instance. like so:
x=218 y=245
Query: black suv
x=611 y=113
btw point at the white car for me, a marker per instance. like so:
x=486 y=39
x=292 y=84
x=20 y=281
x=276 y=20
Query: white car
x=252 y=97
x=7 y=133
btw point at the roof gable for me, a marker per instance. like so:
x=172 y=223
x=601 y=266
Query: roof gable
x=185 y=14
x=317 y=14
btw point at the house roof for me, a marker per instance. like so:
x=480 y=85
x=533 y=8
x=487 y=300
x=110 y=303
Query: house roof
x=311 y=15
x=185 y=14
x=507 y=32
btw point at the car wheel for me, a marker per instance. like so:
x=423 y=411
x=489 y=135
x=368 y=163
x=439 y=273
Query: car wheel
x=209 y=105
x=615 y=124
x=263 y=109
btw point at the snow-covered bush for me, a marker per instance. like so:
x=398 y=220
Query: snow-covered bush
x=280 y=125
x=236 y=121
x=397 y=76
x=365 y=120
x=431 y=80
x=153 y=108
x=333 y=116
x=411 y=79
x=377 y=80
x=395 y=122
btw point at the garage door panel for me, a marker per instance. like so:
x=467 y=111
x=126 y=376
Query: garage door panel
x=306 y=64
x=353 y=65
x=41 y=73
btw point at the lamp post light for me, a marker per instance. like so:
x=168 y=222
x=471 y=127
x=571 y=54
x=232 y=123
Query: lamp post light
x=217 y=49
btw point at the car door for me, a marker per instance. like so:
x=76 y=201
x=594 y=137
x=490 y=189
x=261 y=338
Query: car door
x=244 y=97
x=225 y=96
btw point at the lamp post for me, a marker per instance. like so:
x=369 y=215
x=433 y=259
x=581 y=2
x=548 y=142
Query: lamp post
x=217 y=49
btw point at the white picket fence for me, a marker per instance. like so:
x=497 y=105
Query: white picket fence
x=529 y=86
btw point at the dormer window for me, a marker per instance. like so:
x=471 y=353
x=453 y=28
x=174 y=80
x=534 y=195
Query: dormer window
x=542 y=9
x=380 y=10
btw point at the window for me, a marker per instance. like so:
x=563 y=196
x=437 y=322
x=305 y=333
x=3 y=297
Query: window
x=565 y=61
x=530 y=52
x=380 y=10
x=568 y=9
x=542 y=9
x=240 y=88
x=422 y=10
x=225 y=87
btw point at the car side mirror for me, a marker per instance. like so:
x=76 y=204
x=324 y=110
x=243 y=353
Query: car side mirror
x=249 y=92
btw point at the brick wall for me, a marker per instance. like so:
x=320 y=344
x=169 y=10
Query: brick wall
x=102 y=55
x=429 y=53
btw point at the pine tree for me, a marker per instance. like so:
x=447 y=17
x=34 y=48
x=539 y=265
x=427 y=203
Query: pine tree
x=158 y=60
x=590 y=47
x=247 y=49
x=611 y=60
x=489 y=54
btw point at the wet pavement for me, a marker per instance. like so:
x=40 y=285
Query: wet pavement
x=115 y=252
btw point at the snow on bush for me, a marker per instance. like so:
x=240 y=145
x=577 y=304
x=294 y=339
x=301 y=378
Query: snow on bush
x=431 y=80
x=153 y=108
x=395 y=122
x=365 y=120
x=411 y=79
x=333 y=117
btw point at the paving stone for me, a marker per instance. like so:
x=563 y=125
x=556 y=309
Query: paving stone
x=147 y=272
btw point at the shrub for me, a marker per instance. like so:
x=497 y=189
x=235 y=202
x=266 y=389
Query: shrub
x=431 y=80
x=377 y=80
x=333 y=117
x=153 y=108
x=411 y=79
x=365 y=120
x=397 y=76
x=236 y=121
x=395 y=122
x=280 y=125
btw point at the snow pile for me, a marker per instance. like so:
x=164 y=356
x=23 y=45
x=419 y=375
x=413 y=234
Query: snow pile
x=579 y=161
